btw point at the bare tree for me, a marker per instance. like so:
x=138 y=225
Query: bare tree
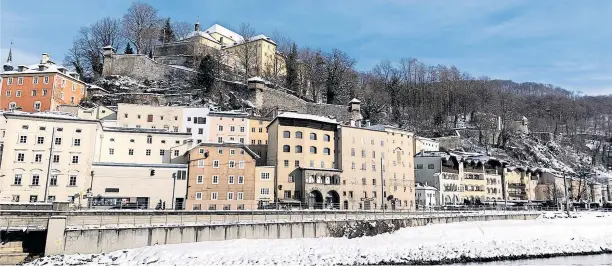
x=246 y=51
x=141 y=26
x=86 y=51
x=283 y=42
x=182 y=29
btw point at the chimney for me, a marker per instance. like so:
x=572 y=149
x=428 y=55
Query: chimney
x=368 y=123
x=45 y=58
x=352 y=122
x=197 y=26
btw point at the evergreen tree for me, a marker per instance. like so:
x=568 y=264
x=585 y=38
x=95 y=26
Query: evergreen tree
x=205 y=78
x=167 y=34
x=151 y=54
x=292 y=69
x=128 y=49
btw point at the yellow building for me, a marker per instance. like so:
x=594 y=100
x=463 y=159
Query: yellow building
x=258 y=137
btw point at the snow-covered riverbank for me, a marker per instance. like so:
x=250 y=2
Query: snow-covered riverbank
x=458 y=242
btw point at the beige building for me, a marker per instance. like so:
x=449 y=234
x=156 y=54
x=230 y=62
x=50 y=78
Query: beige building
x=304 y=150
x=520 y=186
x=264 y=185
x=221 y=176
x=48 y=157
x=258 y=137
x=365 y=151
x=228 y=127
x=142 y=145
x=156 y=117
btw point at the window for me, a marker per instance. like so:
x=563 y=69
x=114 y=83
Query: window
x=200 y=163
x=73 y=87
x=75 y=159
x=23 y=139
x=286 y=163
x=215 y=179
x=111 y=151
x=241 y=129
x=45 y=92
x=230 y=195
x=313 y=149
x=220 y=151
x=261 y=130
x=38 y=158
x=78 y=130
x=430 y=166
x=353 y=165
x=9 y=81
x=419 y=166
x=220 y=139
x=313 y=136
x=188 y=130
x=33 y=198
x=37 y=106
x=58 y=141
x=242 y=140
x=220 y=128
x=286 y=148
x=199 y=179
x=149 y=139
x=264 y=191
x=72 y=181
x=374 y=181
x=264 y=176
x=232 y=152
x=373 y=154
x=198 y=195
x=18 y=93
x=216 y=164
x=8 y=93
x=352 y=151
x=363 y=181
x=56 y=158
x=17 y=180
x=71 y=99
x=241 y=164
x=199 y=120
x=40 y=140
x=175 y=129
x=326 y=151
x=200 y=131
x=322 y=164
x=297 y=163
x=162 y=152
x=326 y=138
x=46 y=80
x=33 y=92
x=298 y=149
x=131 y=151
x=148 y=152
x=12 y=105
x=232 y=164
x=286 y=134
x=76 y=142
x=35 y=179
x=240 y=196
x=298 y=134
x=53 y=180
x=253 y=129
x=363 y=153
x=214 y=196
x=21 y=157
x=20 y=80
x=230 y=179
x=311 y=163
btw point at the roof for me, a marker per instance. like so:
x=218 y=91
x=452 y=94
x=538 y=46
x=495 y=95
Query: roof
x=229 y=113
x=34 y=69
x=256 y=79
x=426 y=187
x=201 y=34
x=225 y=32
x=48 y=115
x=148 y=165
x=354 y=100
x=226 y=144
x=94 y=87
x=144 y=130
x=293 y=115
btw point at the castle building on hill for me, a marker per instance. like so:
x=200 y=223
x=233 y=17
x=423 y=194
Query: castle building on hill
x=232 y=48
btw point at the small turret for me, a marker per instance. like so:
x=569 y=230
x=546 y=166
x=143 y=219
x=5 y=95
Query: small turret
x=8 y=66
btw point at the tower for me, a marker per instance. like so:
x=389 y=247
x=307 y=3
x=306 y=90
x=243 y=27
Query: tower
x=8 y=66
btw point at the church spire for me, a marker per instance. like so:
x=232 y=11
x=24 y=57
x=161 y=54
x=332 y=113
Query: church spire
x=8 y=66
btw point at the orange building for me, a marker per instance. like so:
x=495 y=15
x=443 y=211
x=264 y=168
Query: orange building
x=40 y=87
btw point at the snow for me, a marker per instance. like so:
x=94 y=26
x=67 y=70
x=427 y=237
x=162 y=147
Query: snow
x=182 y=67
x=201 y=34
x=551 y=234
x=256 y=79
x=225 y=32
x=307 y=117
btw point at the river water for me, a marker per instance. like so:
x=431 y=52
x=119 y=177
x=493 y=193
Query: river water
x=604 y=259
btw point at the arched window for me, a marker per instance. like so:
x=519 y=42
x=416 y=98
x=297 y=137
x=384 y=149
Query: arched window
x=326 y=151
x=327 y=180
x=326 y=138
x=313 y=136
x=286 y=148
x=149 y=139
x=319 y=180
x=313 y=149
x=298 y=134
x=286 y=134
x=298 y=149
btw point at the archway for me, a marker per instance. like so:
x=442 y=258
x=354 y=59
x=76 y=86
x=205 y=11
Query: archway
x=332 y=200
x=315 y=199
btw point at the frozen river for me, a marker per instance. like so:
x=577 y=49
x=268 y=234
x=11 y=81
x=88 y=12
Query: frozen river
x=604 y=259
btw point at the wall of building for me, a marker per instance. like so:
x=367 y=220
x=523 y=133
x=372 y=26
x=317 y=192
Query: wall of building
x=264 y=184
x=160 y=117
x=140 y=67
x=229 y=128
x=164 y=147
x=60 y=89
x=153 y=182
x=196 y=122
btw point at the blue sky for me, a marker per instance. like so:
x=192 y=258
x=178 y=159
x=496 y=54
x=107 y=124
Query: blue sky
x=564 y=43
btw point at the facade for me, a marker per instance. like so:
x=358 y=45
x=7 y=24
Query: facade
x=195 y=122
x=221 y=177
x=258 y=137
x=264 y=185
x=145 y=116
x=228 y=127
x=48 y=157
x=520 y=185
x=40 y=87
x=150 y=186
x=425 y=196
x=425 y=144
x=442 y=170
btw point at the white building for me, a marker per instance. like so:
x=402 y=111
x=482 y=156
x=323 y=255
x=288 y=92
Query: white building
x=195 y=121
x=425 y=144
x=426 y=196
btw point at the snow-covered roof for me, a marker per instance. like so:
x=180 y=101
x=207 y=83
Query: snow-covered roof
x=225 y=32
x=49 y=67
x=256 y=79
x=201 y=34
x=425 y=187
x=261 y=37
x=307 y=117
x=49 y=115
x=354 y=100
